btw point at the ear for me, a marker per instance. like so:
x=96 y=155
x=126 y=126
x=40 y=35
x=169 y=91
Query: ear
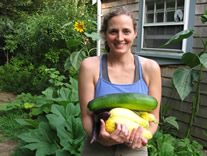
x=135 y=34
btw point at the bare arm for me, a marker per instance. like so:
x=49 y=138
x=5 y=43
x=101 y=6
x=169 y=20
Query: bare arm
x=152 y=76
x=153 y=79
x=86 y=89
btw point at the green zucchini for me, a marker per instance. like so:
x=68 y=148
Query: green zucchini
x=133 y=101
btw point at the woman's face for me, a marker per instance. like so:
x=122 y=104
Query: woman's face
x=120 y=34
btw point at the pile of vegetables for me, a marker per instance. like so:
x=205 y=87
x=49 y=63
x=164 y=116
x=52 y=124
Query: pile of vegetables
x=131 y=109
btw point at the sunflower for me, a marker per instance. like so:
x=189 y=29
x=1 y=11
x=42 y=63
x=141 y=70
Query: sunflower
x=79 y=26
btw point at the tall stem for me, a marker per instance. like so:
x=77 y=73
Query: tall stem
x=196 y=102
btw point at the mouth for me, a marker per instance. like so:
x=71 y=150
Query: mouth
x=120 y=45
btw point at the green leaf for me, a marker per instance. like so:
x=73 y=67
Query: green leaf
x=64 y=95
x=41 y=140
x=178 y=37
x=94 y=36
x=183 y=81
x=74 y=85
x=203 y=59
x=191 y=59
x=203 y=18
x=63 y=153
x=28 y=122
x=172 y=121
x=72 y=134
x=67 y=64
x=166 y=149
x=61 y=114
x=76 y=58
x=48 y=93
x=28 y=105
x=68 y=125
x=72 y=43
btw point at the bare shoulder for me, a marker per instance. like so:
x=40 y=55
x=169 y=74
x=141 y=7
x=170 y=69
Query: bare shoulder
x=149 y=65
x=90 y=63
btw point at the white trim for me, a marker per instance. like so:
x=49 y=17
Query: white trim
x=184 y=23
x=186 y=20
x=99 y=14
x=163 y=24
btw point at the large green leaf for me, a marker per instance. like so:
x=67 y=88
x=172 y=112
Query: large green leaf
x=94 y=36
x=76 y=58
x=64 y=96
x=72 y=43
x=68 y=125
x=191 y=59
x=183 y=81
x=203 y=59
x=41 y=139
x=178 y=37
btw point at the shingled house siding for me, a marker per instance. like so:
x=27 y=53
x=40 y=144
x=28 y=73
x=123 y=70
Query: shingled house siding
x=181 y=110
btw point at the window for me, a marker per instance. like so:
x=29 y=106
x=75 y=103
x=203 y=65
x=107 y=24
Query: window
x=159 y=20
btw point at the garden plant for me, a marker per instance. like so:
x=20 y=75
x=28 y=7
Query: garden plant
x=184 y=79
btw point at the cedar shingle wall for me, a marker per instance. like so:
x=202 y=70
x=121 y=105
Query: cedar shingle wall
x=181 y=110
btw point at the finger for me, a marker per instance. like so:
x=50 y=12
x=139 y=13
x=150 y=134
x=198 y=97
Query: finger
x=144 y=141
x=137 y=138
x=102 y=127
x=131 y=138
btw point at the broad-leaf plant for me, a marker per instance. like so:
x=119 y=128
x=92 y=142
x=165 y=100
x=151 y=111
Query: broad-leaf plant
x=184 y=79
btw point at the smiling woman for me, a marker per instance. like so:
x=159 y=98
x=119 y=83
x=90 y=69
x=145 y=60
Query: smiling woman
x=118 y=71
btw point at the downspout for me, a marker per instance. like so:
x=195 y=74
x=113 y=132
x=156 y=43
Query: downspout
x=98 y=53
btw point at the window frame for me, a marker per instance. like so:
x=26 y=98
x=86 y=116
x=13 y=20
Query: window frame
x=164 y=55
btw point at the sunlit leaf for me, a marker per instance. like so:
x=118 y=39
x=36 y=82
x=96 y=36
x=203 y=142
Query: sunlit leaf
x=203 y=59
x=191 y=59
x=76 y=59
x=204 y=17
x=178 y=37
x=183 y=81
x=172 y=121
x=94 y=36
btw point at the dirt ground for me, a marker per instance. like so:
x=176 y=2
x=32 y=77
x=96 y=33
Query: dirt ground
x=6 y=147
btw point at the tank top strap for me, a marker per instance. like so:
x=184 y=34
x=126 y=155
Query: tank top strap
x=101 y=66
x=136 y=62
x=140 y=68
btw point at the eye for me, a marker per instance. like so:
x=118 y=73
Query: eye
x=113 y=32
x=127 y=31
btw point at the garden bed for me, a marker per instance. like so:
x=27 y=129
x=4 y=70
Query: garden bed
x=6 y=146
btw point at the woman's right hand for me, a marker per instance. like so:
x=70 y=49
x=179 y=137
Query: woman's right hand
x=119 y=136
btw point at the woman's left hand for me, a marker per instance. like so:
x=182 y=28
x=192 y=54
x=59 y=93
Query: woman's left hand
x=136 y=139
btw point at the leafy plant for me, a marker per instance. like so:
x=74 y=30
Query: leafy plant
x=54 y=125
x=60 y=132
x=184 y=78
x=166 y=145
x=83 y=43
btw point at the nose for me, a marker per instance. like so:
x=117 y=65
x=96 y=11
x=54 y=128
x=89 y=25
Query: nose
x=120 y=36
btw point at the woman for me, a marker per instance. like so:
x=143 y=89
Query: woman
x=118 y=71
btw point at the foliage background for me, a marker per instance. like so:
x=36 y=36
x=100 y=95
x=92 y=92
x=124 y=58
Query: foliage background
x=34 y=37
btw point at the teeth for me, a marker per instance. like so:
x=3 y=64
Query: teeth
x=122 y=44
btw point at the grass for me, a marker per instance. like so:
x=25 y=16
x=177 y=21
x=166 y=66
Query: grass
x=8 y=125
